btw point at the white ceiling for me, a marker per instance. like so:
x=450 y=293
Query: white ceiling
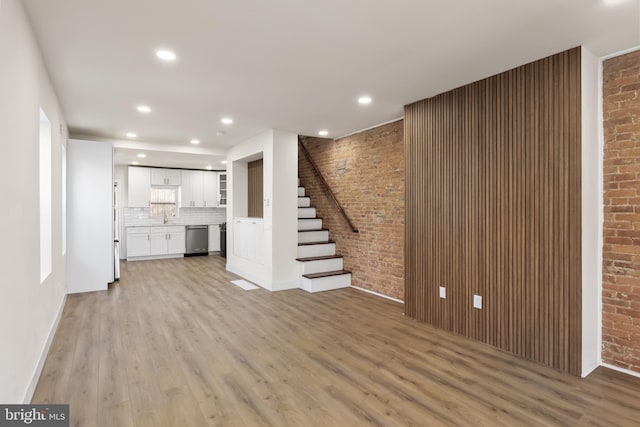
x=292 y=65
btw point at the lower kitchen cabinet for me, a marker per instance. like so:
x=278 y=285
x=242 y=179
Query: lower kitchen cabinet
x=138 y=243
x=155 y=241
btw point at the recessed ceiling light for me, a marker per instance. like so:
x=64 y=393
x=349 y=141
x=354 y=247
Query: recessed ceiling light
x=209 y=167
x=226 y=120
x=224 y=162
x=166 y=55
x=323 y=133
x=135 y=163
x=221 y=132
x=613 y=2
x=131 y=135
x=195 y=141
x=144 y=109
x=141 y=155
x=364 y=100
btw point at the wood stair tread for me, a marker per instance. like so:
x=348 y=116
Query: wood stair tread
x=326 y=274
x=318 y=258
x=315 y=243
x=312 y=230
x=312 y=218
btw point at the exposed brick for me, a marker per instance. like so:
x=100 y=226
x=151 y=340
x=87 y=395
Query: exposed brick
x=366 y=173
x=621 y=254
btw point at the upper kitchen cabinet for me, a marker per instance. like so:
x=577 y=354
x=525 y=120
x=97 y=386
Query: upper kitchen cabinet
x=165 y=177
x=139 y=187
x=222 y=189
x=199 y=189
x=192 y=188
x=210 y=189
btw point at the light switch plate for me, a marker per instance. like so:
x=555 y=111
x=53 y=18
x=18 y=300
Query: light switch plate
x=443 y=292
x=477 y=302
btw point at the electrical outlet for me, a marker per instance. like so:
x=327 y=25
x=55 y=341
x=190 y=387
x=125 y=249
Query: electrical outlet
x=443 y=292
x=477 y=302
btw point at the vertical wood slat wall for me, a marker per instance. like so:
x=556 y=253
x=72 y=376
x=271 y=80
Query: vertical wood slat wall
x=255 y=189
x=493 y=208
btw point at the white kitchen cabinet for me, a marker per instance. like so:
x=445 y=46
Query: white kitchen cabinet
x=210 y=189
x=165 y=176
x=158 y=242
x=199 y=189
x=191 y=189
x=214 y=238
x=248 y=238
x=138 y=242
x=222 y=189
x=139 y=191
x=167 y=240
x=154 y=241
x=176 y=243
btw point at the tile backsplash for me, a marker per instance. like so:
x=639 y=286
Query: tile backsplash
x=186 y=216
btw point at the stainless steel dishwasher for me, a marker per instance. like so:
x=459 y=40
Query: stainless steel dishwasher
x=197 y=240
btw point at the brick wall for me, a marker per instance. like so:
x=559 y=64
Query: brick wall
x=621 y=260
x=366 y=172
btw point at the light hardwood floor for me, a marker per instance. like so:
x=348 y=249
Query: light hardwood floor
x=175 y=344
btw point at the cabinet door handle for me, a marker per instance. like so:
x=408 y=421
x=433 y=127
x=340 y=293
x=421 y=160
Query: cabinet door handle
x=205 y=203
x=147 y=237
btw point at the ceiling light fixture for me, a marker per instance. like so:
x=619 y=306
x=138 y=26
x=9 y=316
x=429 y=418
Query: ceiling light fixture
x=131 y=135
x=195 y=141
x=144 y=109
x=166 y=55
x=141 y=155
x=323 y=132
x=135 y=163
x=224 y=162
x=209 y=167
x=226 y=120
x=364 y=100
x=613 y=2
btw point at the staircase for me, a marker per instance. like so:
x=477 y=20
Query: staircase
x=321 y=269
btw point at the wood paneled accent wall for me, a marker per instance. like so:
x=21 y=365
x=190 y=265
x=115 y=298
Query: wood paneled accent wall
x=493 y=208
x=255 y=190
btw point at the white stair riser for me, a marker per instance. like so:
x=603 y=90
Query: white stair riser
x=301 y=192
x=309 y=224
x=321 y=266
x=313 y=236
x=325 y=249
x=306 y=212
x=304 y=202
x=326 y=283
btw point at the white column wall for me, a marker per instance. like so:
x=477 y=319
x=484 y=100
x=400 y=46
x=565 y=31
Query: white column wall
x=279 y=153
x=591 y=213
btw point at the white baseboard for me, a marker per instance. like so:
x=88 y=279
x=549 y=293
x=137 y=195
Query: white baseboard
x=378 y=294
x=624 y=371
x=586 y=372
x=285 y=286
x=28 y=395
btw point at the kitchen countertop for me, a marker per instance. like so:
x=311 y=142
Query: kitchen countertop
x=170 y=225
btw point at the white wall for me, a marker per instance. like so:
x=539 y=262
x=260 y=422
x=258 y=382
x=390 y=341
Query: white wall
x=90 y=216
x=279 y=152
x=28 y=309
x=591 y=213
